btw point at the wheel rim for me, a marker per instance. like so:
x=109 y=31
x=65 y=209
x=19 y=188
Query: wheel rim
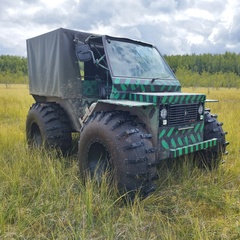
x=98 y=160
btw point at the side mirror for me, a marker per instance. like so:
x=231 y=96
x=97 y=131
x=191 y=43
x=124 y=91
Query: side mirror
x=83 y=52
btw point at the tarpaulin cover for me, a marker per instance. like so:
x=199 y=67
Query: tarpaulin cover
x=52 y=64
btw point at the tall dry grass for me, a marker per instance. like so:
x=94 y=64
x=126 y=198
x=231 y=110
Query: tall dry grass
x=42 y=196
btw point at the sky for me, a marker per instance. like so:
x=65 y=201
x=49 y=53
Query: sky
x=174 y=26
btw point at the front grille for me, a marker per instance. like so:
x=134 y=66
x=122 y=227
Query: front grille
x=182 y=114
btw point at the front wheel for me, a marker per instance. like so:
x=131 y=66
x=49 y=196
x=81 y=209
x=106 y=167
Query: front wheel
x=115 y=142
x=211 y=158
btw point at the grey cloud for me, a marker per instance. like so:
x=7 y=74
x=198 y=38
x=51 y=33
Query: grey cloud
x=234 y=32
x=183 y=4
x=166 y=24
x=212 y=6
x=162 y=6
x=51 y=17
x=87 y=13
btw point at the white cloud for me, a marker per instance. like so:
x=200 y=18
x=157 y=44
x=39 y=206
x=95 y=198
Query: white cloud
x=175 y=26
x=199 y=13
x=194 y=39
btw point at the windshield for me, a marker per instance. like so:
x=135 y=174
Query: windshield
x=129 y=59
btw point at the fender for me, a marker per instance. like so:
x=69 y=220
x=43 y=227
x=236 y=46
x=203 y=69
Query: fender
x=109 y=105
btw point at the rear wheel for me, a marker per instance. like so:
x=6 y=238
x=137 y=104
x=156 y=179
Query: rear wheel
x=211 y=158
x=116 y=143
x=47 y=125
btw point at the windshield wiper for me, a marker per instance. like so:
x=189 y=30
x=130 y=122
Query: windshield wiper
x=153 y=79
x=158 y=78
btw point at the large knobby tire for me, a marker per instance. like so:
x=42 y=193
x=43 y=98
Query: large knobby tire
x=211 y=158
x=47 y=126
x=115 y=141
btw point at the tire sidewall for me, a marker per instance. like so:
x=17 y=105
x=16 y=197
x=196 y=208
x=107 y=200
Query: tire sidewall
x=53 y=127
x=35 y=118
x=211 y=158
x=92 y=134
x=123 y=151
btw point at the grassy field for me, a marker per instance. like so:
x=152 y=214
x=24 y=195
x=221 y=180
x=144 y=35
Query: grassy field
x=42 y=196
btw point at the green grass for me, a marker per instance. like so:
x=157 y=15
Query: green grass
x=42 y=196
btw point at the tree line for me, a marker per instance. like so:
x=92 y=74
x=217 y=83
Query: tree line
x=211 y=63
x=205 y=70
x=13 y=69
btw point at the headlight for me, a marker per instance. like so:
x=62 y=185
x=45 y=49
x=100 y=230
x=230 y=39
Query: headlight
x=163 y=113
x=200 y=109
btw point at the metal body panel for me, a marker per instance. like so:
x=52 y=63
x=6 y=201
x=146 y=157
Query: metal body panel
x=178 y=137
x=193 y=148
x=126 y=103
x=94 y=85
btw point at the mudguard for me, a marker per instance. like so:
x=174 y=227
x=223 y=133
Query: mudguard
x=110 y=105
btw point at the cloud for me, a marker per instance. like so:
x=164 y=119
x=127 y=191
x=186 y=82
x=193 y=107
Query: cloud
x=175 y=26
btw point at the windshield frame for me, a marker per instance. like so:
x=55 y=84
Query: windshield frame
x=164 y=74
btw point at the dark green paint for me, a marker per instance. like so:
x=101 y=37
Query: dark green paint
x=193 y=148
x=173 y=143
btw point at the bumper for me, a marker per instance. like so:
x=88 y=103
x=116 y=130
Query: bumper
x=193 y=148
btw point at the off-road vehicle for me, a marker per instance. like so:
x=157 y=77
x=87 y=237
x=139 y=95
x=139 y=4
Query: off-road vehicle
x=123 y=99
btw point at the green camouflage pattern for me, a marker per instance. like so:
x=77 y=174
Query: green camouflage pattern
x=170 y=138
x=122 y=87
x=145 y=91
x=167 y=98
x=148 y=97
x=193 y=148
x=90 y=88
